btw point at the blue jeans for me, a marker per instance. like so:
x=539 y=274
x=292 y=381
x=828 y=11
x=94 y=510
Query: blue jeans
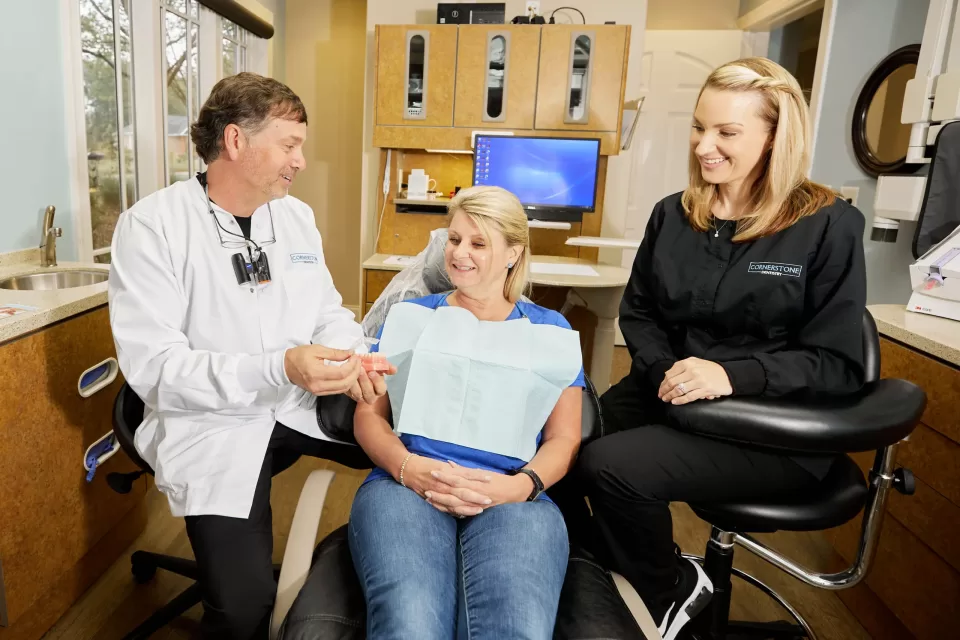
x=429 y=575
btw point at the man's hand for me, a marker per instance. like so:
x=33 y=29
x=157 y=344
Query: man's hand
x=694 y=379
x=305 y=367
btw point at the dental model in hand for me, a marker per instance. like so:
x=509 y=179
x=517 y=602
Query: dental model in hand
x=374 y=362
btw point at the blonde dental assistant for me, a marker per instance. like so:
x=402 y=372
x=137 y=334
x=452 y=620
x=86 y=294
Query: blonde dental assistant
x=228 y=365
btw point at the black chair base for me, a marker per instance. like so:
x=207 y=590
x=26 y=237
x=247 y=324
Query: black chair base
x=779 y=630
x=187 y=600
x=714 y=623
x=144 y=565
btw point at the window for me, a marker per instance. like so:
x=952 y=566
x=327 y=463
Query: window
x=107 y=59
x=181 y=65
x=234 y=48
x=132 y=138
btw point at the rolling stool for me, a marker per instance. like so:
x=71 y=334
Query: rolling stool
x=877 y=418
x=127 y=416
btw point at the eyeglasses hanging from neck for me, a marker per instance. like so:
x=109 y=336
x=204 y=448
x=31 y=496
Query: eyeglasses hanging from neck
x=232 y=240
x=254 y=268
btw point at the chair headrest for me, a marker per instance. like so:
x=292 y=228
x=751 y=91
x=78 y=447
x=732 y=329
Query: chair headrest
x=425 y=275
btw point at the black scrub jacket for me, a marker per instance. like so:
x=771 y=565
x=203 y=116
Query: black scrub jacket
x=781 y=314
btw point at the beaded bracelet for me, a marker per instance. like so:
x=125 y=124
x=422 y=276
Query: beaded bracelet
x=403 y=466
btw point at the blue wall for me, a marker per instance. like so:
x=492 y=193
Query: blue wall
x=33 y=162
x=864 y=32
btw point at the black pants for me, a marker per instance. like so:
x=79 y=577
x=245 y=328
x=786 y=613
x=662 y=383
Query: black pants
x=235 y=555
x=633 y=474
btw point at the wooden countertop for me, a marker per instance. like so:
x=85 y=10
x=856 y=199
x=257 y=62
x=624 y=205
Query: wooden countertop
x=938 y=337
x=52 y=306
x=608 y=275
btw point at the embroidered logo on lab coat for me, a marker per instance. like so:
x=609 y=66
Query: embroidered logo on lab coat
x=304 y=258
x=775 y=269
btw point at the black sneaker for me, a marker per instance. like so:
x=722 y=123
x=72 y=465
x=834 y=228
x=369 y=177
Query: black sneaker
x=691 y=595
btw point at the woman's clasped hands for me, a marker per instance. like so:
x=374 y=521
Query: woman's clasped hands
x=462 y=491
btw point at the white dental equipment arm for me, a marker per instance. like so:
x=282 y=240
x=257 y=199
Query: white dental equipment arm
x=931 y=99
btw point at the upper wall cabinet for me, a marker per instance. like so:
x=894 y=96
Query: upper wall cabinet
x=437 y=84
x=497 y=76
x=416 y=74
x=581 y=79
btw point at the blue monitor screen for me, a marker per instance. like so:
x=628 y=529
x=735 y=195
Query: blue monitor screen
x=544 y=173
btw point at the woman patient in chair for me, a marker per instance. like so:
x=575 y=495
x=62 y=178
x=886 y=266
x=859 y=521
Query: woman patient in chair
x=451 y=534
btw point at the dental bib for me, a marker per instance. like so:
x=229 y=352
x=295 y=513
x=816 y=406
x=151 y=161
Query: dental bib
x=485 y=385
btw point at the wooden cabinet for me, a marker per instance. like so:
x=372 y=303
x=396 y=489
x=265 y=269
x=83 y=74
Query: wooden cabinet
x=582 y=74
x=59 y=532
x=374 y=282
x=416 y=74
x=550 y=80
x=497 y=76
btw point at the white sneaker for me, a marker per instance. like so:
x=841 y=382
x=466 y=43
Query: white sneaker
x=692 y=594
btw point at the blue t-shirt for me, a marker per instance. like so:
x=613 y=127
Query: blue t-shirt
x=466 y=456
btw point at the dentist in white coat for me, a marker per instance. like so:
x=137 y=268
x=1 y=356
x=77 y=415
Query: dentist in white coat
x=229 y=349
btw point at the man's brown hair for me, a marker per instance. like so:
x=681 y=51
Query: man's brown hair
x=247 y=100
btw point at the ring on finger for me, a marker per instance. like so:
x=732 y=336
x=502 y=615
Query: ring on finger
x=683 y=389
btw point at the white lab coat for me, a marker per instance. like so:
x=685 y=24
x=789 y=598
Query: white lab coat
x=206 y=354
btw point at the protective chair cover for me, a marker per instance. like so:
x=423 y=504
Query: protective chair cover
x=425 y=275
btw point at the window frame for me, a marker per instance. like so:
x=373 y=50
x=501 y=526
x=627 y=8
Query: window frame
x=239 y=45
x=149 y=109
x=165 y=8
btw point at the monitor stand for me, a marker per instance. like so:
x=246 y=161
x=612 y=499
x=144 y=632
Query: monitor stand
x=547 y=224
x=545 y=214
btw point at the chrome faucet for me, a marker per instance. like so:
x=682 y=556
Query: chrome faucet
x=48 y=241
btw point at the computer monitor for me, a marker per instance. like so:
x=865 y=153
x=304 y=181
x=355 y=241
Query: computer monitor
x=554 y=178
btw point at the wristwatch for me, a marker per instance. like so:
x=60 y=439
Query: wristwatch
x=537 y=482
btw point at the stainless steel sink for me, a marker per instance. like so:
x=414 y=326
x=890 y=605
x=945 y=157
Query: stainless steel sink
x=50 y=280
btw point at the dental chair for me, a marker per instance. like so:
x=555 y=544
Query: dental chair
x=876 y=419
x=319 y=595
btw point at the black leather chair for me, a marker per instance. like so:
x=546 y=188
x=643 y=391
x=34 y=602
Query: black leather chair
x=319 y=595
x=876 y=419
x=127 y=416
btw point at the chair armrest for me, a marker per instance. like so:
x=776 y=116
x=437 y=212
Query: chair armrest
x=879 y=415
x=298 y=555
x=335 y=417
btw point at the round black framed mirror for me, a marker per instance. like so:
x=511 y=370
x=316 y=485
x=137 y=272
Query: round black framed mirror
x=880 y=140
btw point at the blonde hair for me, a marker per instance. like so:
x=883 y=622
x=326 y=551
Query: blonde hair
x=782 y=194
x=497 y=208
